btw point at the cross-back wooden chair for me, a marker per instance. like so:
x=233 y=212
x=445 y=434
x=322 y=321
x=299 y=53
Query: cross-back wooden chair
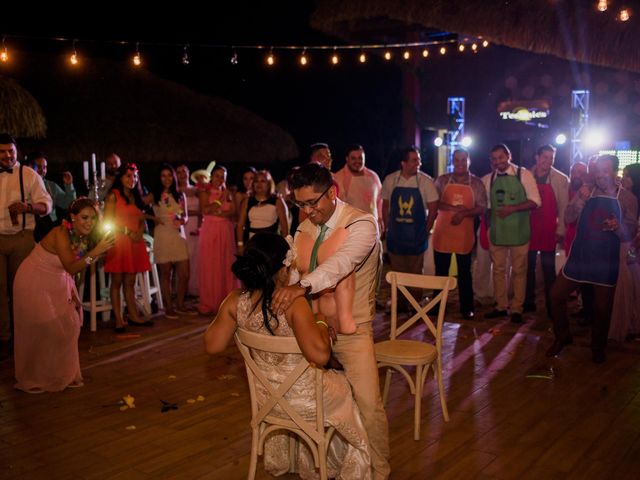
x=263 y=418
x=395 y=354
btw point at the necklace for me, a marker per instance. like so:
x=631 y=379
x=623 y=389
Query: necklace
x=79 y=243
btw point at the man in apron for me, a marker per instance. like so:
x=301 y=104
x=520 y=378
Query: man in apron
x=338 y=246
x=546 y=230
x=409 y=207
x=512 y=194
x=462 y=199
x=607 y=214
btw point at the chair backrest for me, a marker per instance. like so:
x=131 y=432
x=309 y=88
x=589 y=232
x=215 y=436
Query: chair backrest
x=249 y=342
x=402 y=281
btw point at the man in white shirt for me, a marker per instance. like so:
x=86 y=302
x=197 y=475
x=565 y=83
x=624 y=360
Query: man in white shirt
x=338 y=245
x=409 y=207
x=511 y=192
x=360 y=186
x=18 y=206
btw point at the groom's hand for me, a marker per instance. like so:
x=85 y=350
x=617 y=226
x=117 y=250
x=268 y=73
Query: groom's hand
x=283 y=297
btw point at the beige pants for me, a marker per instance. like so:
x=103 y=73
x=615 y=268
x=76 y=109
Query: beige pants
x=519 y=255
x=356 y=354
x=13 y=250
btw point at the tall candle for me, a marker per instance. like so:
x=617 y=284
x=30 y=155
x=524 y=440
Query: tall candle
x=85 y=170
x=93 y=163
x=102 y=170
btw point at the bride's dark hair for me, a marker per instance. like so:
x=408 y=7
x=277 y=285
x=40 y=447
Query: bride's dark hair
x=262 y=259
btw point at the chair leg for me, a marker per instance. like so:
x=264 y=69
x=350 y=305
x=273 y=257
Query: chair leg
x=253 y=462
x=387 y=383
x=443 y=400
x=418 y=402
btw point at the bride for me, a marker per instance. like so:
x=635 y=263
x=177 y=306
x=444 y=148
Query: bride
x=263 y=267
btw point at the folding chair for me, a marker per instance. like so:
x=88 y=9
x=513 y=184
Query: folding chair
x=264 y=419
x=396 y=353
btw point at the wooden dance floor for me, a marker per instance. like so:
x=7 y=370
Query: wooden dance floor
x=514 y=413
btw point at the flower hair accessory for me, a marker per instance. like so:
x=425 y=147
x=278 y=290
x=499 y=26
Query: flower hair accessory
x=291 y=253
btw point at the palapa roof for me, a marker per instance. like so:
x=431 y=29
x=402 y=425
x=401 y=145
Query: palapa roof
x=569 y=29
x=20 y=113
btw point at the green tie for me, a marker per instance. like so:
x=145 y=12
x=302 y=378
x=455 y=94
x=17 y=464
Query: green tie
x=313 y=263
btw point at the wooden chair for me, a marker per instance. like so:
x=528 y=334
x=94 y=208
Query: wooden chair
x=396 y=353
x=264 y=420
x=148 y=283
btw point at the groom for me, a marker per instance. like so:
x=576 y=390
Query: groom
x=350 y=260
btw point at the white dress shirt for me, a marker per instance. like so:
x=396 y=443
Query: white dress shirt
x=526 y=178
x=34 y=192
x=362 y=236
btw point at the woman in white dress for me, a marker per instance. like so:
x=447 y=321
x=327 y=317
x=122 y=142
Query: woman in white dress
x=263 y=268
x=170 y=245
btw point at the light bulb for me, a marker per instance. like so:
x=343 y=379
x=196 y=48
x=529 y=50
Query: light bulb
x=625 y=14
x=335 y=59
x=406 y=55
x=602 y=5
x=362 y=58
x=73 y=59
x=425 y=53
x=485 y=43
x=387 y=55
x=4 y=56
x=461 y=48
x=443 y=50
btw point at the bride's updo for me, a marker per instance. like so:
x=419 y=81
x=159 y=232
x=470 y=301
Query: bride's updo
x=263 y=257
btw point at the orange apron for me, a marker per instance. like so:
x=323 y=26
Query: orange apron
x=336 y=304
x=448 y=238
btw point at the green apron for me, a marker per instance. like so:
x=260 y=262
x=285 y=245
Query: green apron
x=514 y=229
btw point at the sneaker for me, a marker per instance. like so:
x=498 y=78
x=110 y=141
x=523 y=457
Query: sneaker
x=495 y=313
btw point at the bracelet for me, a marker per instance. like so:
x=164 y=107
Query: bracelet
x=322 y=322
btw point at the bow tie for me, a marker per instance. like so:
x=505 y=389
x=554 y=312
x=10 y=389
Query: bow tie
x=6 y=170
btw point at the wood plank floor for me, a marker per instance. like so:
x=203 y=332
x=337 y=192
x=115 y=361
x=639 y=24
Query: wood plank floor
x=506 y=423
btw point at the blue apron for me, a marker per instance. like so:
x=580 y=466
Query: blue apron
x=407 y=230
x=595 y=254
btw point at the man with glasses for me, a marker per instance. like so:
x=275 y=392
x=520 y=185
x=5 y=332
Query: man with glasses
x=338 y=259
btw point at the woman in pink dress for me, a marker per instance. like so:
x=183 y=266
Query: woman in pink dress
x=123 y=209
x=47 y=311
x=217 y=243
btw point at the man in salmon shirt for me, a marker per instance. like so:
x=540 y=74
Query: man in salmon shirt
x=547 y=224
x=338 y=258
x=462 y=198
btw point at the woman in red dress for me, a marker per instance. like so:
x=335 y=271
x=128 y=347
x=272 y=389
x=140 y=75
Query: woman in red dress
x=123 y=210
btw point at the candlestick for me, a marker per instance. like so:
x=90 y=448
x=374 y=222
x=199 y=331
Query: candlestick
x=103 y=170
x=93 y=162
x=85 y=171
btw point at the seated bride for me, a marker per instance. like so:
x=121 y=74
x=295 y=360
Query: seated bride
x=264 y=267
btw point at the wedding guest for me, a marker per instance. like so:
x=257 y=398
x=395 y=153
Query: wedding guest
x=47 y=323
x=192 y=227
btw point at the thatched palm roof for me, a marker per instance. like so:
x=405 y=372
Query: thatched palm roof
x=20 y=113
x=102 y=106
x=569 y=29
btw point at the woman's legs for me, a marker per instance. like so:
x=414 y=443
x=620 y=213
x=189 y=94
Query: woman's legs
x=165 y=286
x=182 y=271
x=116 y=284
x=129 y=280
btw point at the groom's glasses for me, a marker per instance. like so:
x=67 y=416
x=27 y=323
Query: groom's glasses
x=312 y=203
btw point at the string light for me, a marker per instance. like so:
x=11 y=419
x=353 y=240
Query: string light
x=234 y=57
x=602 y=5
x=137 y=59
x=406 y=55
x=334 y=58
x=461 y=47
x=4 y=55
x=425 y=53
x=387 y=55
x=625 y=15
x=485 y=43
x=362 y=58
x=270 y=58
x=73 y=59
x=443 y=50
x=474 y=47
x=185 y=55
x=303 y=58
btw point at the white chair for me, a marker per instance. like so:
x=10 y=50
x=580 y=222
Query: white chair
x=396 y=353
x=97 y=286
x=263 y=418
x=148 y=283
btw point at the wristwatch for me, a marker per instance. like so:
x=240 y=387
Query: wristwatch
x=88 y=259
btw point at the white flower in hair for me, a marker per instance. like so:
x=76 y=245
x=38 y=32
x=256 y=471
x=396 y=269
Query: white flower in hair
x=291 y=253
